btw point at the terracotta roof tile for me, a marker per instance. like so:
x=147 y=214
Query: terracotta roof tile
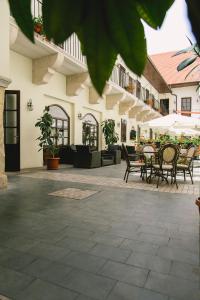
x=167 y=66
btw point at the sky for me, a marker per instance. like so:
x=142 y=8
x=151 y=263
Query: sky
x=173 y=33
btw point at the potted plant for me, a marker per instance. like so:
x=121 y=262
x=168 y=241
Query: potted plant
x=108 y=128
x=47 y=139
x=38 y=25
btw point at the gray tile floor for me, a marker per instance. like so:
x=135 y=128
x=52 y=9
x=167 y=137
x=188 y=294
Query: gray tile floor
x=118 y=244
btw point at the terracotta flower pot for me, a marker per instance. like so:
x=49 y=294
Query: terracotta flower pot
x=38 y=28
x=53 y=163
x=198 y=203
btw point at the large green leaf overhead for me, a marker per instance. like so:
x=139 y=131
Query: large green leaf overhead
x=100 y=52
x=21 y=11
x=105 y=28
x=193 y=13
x=153 y=11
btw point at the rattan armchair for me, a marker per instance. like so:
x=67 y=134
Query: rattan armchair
x=166 y=166
x=186 y=165
x=132 y=167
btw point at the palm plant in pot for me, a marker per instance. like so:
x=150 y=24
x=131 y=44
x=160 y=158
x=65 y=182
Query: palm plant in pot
x=47 y=139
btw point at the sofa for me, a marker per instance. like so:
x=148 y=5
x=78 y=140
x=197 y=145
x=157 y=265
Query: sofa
x=84 y=157
x=66 y=154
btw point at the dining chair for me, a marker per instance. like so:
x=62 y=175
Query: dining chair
x=186 y=166
x=132 y=167
x=149 y=154
x=167 y=160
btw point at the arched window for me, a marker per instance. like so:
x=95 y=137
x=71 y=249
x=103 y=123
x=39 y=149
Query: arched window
x=61 y=125
x=90 y=131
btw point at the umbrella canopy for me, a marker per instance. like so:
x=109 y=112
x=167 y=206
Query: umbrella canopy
x=173 y=120
x=183 y=132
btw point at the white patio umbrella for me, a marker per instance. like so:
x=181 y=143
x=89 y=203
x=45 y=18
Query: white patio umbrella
x=183 y=132
x=173 y=120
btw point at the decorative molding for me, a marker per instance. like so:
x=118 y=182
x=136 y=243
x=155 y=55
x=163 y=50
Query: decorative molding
x=4 y=81
x=141 y=114
x=45 y=67
x=13 y=34
x=94 y=97
x=113 y=99
x=125 y=106
x=134 y=110
x=75 y=83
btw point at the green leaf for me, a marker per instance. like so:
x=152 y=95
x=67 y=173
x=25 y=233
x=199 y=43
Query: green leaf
x=61 y=18
x=100 y=52
x=191 y=71
x=193 y=13
x=127 y=34
x=186 y=50
x=185 y=63
x=153 y=12
x=21 y=11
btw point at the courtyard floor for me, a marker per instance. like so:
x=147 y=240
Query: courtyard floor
x=86 y=235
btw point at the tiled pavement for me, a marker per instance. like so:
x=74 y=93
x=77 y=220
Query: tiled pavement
x=122 y=243
x=183 y=188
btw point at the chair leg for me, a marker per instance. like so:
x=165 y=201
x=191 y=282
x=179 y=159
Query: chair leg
x=175 y=181
x=158 y=180
x=127 y=176
x=184 y=175
x=190 y=175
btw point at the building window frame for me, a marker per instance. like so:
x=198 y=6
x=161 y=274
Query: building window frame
x=186 y=106
x=90 y=131
x=61 y=126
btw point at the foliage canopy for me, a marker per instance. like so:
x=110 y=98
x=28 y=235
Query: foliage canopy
x=105 y=28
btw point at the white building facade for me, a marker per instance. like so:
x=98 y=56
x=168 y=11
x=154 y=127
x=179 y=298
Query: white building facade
x=33 y=76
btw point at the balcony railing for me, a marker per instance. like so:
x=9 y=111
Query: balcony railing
x=72 y=45
x=120 y=77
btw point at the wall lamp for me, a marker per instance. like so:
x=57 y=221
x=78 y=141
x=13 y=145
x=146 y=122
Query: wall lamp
x=30 y=105
x=79 y=116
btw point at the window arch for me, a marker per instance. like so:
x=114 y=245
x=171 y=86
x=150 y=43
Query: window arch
x=90 y=131
x=61 y=124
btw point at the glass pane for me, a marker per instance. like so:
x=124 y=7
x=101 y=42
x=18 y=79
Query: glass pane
x=59 y=124
x=66 y=141
x=65 y=133
x=88 y=118
x=57 y=112
x=11 y=135
x=11 y=101
x=60 y=141
x=11 y=119
x=65 y=124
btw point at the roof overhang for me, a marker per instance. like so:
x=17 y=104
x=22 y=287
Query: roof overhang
x=152 y=74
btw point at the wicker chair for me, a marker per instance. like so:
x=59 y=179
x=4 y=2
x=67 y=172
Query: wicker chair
x=185 y=166
x=149 y=155
x=167 y=156
x=132 y=167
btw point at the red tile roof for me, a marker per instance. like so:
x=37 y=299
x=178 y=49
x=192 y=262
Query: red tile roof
x=167 y=66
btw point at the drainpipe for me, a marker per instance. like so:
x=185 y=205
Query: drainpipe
x=175 y=95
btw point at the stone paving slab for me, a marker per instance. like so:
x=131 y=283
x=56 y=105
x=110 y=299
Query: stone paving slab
x=115 y=182
x=73 y=193
x=99 y=248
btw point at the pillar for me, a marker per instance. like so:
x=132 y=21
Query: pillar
x=4 y=80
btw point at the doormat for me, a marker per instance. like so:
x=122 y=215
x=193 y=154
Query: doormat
x=73 y=193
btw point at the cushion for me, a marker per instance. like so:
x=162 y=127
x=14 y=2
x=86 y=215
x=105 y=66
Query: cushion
x=137 y=164
x=164 y=167
x=182 y=166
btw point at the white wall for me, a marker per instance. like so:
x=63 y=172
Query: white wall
x=53 y=93
x=189 y=91
x=4 y=33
